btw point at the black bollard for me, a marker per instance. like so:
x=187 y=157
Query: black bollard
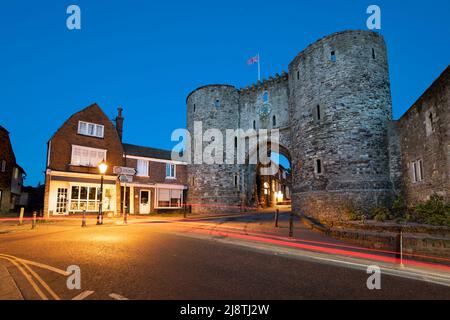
x=291 y=225
x=83 y=219
x=100 y=219
x=33 y=222
x=277 y=214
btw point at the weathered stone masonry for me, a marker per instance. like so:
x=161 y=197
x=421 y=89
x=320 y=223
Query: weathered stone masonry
x=333 y=109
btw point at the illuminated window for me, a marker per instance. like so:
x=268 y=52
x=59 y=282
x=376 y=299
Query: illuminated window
x=81 y=198
x=87 y=157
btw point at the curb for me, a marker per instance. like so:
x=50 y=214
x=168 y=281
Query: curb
x=8 y=287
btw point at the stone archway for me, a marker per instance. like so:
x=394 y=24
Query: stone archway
x=264 y=189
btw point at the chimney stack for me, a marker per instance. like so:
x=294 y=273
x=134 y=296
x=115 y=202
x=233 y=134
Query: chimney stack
x=119 y=123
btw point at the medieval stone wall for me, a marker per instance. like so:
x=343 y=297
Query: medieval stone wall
x=334 y=112
x=424 y=133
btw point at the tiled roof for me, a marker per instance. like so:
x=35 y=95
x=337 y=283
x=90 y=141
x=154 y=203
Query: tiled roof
x=146 y=152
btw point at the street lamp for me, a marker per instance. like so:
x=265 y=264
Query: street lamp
x=102 y=167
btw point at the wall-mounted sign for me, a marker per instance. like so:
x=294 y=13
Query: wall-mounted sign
x=124 y=171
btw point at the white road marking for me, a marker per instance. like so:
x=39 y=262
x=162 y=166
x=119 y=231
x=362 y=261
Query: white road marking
x=116 y=296
x=83 y=295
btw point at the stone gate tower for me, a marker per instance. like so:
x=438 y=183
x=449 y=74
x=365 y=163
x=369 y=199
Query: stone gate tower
x=332 y=110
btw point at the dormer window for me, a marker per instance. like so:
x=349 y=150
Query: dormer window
x=91 y=129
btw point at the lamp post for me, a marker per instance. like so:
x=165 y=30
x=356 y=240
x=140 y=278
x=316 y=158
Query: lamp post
x=102 y=167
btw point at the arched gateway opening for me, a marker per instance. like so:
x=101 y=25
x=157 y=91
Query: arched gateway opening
x=270 y=184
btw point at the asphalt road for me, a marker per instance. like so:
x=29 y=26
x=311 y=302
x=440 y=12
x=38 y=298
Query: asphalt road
x=156 y=261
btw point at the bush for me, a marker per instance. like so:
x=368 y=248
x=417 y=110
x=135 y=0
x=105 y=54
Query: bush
x=398 y=208
x=354 y=214
x=380 y=214
x=435 y=211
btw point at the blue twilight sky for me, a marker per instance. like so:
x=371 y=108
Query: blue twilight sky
x=147 y=56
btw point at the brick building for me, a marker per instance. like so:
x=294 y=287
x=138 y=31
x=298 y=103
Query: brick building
x=11 y=175
x=72 y=176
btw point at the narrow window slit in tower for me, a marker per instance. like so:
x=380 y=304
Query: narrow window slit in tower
x=319 y=166
x=333 y=56
x=318 y=112
x=373 y=54
x=274 y=121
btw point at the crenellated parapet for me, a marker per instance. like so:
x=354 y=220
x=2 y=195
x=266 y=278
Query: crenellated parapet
x=265 y=84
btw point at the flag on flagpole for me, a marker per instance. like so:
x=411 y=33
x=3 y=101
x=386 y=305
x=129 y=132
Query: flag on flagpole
x=254 y=60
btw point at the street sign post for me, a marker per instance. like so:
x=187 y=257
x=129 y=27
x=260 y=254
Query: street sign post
x=125 y=175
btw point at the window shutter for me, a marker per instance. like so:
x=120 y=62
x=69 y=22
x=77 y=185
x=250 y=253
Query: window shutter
x=164 y=194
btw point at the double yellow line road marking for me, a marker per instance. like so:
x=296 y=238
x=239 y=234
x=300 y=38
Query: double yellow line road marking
x=31 y=276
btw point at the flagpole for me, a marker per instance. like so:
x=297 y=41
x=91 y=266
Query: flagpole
x=259 y=69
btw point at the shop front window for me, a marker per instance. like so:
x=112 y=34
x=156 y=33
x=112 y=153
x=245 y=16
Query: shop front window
x=84 y=198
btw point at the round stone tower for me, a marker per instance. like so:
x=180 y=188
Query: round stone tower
x=212 y=187
x=340 y=105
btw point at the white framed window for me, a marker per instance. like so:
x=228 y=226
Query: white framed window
x=87 y=157
x=171 y=171
x=142 y=168
x=417 y=171
x=91 y=129
x=169 y=198
x=84 y=198
x=3 y=165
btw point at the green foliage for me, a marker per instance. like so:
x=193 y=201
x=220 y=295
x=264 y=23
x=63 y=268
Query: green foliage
x=398 y=208
x=435 y=211
x=380 y=214
x=354 y=214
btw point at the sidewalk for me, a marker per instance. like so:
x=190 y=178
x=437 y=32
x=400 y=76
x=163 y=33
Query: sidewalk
x=8 y=287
